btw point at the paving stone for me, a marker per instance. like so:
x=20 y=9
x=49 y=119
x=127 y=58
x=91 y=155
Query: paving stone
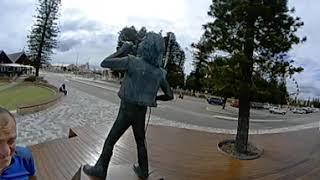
x=81 y=109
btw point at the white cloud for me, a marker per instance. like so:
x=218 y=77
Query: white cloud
x=15 y=20
x=117 y=12
x=183 y=17
x=90 y=28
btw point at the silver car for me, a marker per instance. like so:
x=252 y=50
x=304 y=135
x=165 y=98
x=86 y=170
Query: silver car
x=276 y=110
x=299 y=111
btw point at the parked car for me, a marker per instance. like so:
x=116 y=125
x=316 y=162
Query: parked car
x=215 y=101
x=308 y=110
x=276 y=110
x=257 y=105
x=299 y=111
x=266 y=106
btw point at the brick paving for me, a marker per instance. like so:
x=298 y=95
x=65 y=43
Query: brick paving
x=81 y=109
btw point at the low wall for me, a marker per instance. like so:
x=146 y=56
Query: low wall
x=39 y=106
x=4 y=79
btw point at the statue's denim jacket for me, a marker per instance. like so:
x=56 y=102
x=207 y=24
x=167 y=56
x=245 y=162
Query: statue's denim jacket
x=142 y=80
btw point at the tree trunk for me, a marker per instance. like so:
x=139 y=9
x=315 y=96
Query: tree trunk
x=38 y=59
x=243 y=119
x=246 y=65
x=37 y=70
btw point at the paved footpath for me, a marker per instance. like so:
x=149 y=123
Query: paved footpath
x=81 y=109
x=75 y=109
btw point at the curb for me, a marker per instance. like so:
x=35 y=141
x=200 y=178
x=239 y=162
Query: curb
x=163 y=122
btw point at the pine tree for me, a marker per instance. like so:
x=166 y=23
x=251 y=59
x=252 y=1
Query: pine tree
x=174 y=56
x=174 y=59
x=42 y=39
x=129 y=34
x=258 y=34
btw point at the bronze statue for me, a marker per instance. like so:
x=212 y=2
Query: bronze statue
x=144 y=77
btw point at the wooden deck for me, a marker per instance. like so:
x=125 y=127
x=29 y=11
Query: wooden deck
x=181 y=154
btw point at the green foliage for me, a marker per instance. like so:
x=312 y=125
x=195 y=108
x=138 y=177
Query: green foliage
x=42 y=39
x=269 y=91
x=201 y=58
x=130 y=34
x=24 y=94
x=174 y=59
x=222 y=77
x=30 y=79
x=191 y=81
x=174 y=56
x=256 y=35
x=316 y=102
x=273 y=26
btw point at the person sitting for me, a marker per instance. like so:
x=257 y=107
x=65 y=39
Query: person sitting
x=16 y=163
x=63 y=89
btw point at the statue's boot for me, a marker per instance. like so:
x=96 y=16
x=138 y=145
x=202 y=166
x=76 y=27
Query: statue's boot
x=142 y=170
x=101 y=167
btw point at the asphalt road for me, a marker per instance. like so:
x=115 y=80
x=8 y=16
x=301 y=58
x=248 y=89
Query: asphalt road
x=189 y=110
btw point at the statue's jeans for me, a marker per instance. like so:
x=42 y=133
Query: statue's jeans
x=129 y=115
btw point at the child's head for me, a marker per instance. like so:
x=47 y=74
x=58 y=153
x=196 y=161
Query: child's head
x=7 y=137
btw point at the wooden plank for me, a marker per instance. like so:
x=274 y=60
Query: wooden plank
x=50 y=162
x=119 y=172
x=186 y=154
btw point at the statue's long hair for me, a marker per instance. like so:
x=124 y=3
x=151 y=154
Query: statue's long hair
x=151 y=49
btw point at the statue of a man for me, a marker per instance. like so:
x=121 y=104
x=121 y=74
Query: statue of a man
x=144 y=77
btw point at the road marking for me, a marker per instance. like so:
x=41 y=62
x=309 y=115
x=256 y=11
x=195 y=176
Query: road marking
x=251 y=120
x=211 y=110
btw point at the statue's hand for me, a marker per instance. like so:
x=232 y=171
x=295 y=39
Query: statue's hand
x=126 y=48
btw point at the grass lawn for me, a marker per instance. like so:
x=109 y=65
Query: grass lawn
x=23 y=94
x=3 y=83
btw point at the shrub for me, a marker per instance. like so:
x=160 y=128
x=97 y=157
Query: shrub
x=4 y=79
x=31 y=79
x=202 y=96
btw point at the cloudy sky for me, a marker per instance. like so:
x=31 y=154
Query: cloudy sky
x=89 y=29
